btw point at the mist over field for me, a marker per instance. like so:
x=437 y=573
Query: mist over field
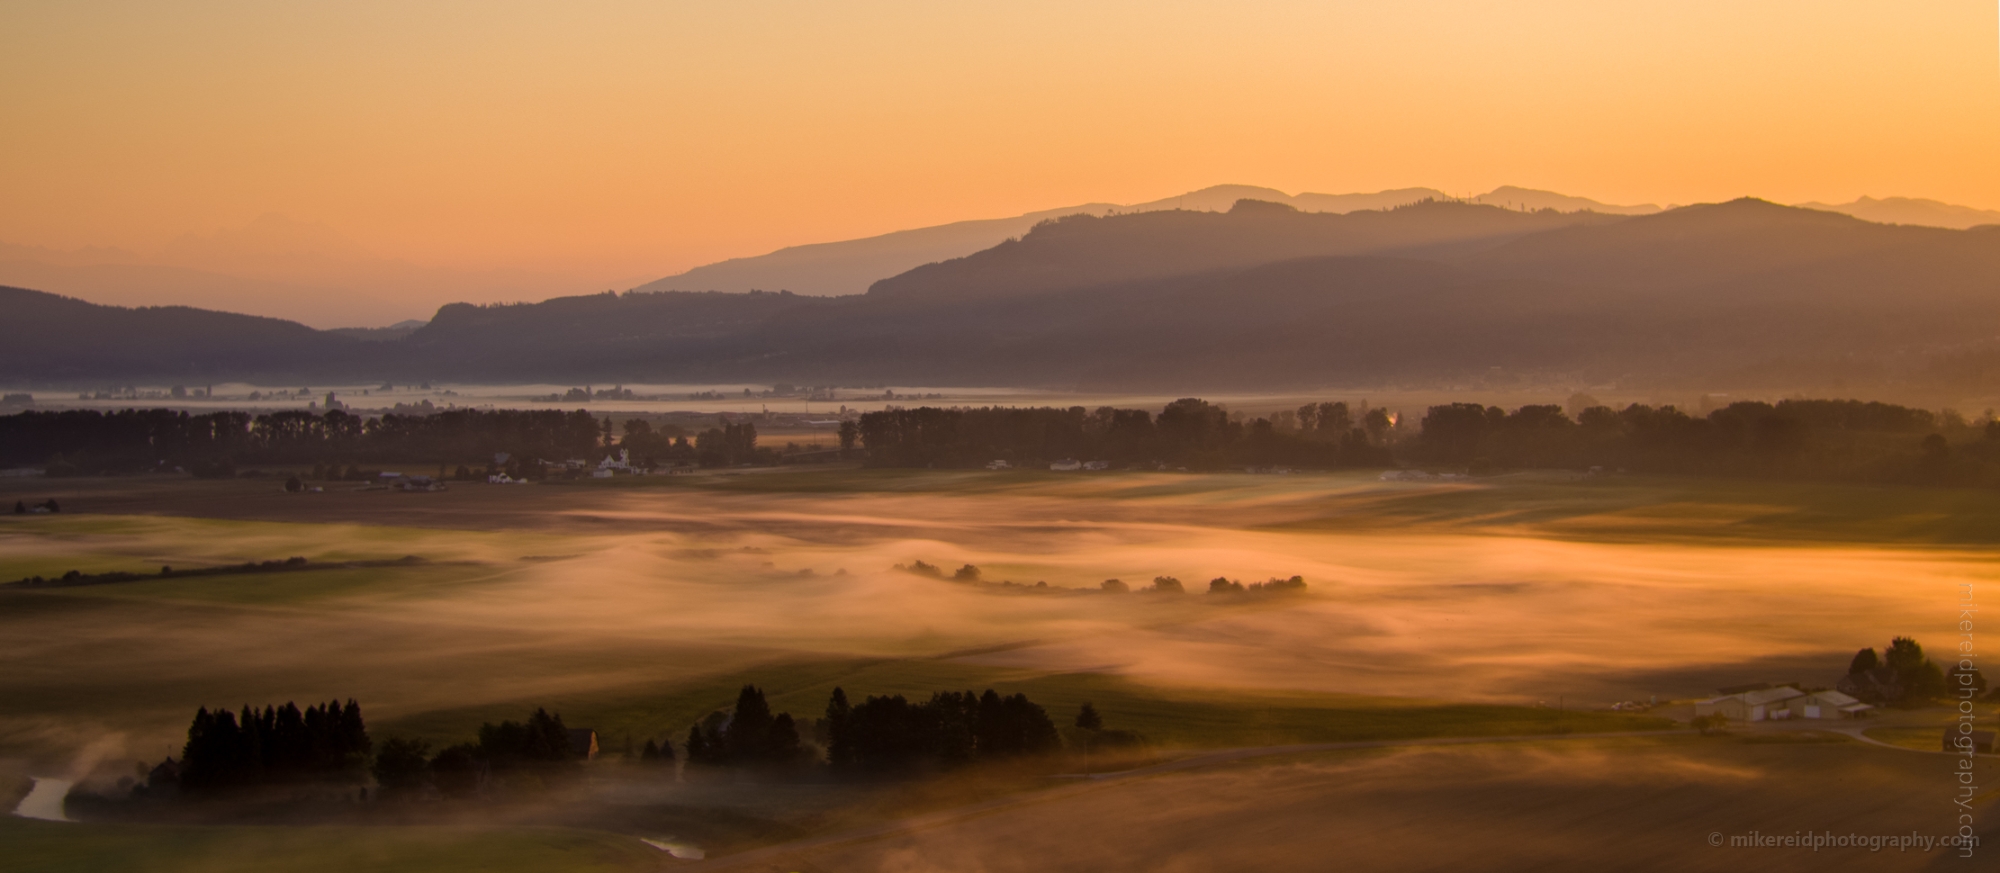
x=1470 y=610
x=942 y=438
x=633 y=609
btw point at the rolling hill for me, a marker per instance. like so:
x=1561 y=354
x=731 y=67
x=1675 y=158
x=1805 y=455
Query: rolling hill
x=851 y=266
x=48 y=338
x=1739 y=294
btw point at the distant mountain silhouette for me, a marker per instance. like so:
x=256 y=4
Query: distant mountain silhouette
x=1751 y=249
x=1082 y=251
x=1744 y=294
x=851 y=266
x=380 y=334
x=1912 y=210
x=47 y=337
x=140 y=284
x=1510 y=197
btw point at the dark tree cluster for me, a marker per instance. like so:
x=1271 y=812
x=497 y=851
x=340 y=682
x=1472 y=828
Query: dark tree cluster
x=750 y=737
x=658 y=753
x=1189 y=432
x=541 y=746
x=969 y=574
x=1096 y=736
x=542 y=739
x=1812 y=439
x=1903 y=676
x=890 y=735
x=730 y=445
x=78 y=577
x=1220 y=585
x=662 y=446
x=275 y=746
x=88 y=441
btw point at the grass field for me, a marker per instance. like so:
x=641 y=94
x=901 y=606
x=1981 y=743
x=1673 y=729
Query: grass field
x=47 y=847
x=1518 y=605
x=1646 y=805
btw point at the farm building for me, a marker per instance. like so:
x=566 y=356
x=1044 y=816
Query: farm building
x=1757 y=705
x=1826 y=704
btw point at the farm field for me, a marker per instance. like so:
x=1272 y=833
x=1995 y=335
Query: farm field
x=1521 y=605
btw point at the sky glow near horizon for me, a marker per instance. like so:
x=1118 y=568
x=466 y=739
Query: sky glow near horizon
x=628 y=139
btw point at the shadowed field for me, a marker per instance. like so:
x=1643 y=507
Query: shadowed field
x=1626 y=805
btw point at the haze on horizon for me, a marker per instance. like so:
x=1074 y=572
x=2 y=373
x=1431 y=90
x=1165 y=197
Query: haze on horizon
x=495 y=152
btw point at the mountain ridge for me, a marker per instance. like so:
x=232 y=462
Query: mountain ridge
x=1262 y=296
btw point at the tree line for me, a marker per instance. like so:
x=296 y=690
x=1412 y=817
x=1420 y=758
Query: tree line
x=1825 y=439
x=971 y=575
x=882 y=736
x=535 y=752
x=277 y=745
x=216 y=444
x=885 y=735
x=88 y=442
x=1189 y=432
x=1902 y=675
x=1818 y=439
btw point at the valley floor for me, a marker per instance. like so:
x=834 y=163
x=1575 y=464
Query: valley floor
x=1516 y=606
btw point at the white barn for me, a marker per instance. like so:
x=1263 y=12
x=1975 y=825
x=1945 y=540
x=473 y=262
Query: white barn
x=1758 y=705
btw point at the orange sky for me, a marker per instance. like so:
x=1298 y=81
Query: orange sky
x=635 y=139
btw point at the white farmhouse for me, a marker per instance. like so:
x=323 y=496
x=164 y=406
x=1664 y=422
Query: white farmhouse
x=614 y=466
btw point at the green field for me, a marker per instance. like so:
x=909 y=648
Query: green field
x=1519 y=605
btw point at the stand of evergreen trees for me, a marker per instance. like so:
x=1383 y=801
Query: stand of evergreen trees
x=750 y=737
x=276 y=746
x=539 y=747
x=882 y=736
x=891 y=735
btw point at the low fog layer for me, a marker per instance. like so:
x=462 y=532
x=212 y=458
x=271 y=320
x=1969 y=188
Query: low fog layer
x=646 y=591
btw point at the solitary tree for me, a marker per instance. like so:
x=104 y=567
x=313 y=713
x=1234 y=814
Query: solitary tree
x=747 y=738
x=1088 y=719
x=839 y=739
